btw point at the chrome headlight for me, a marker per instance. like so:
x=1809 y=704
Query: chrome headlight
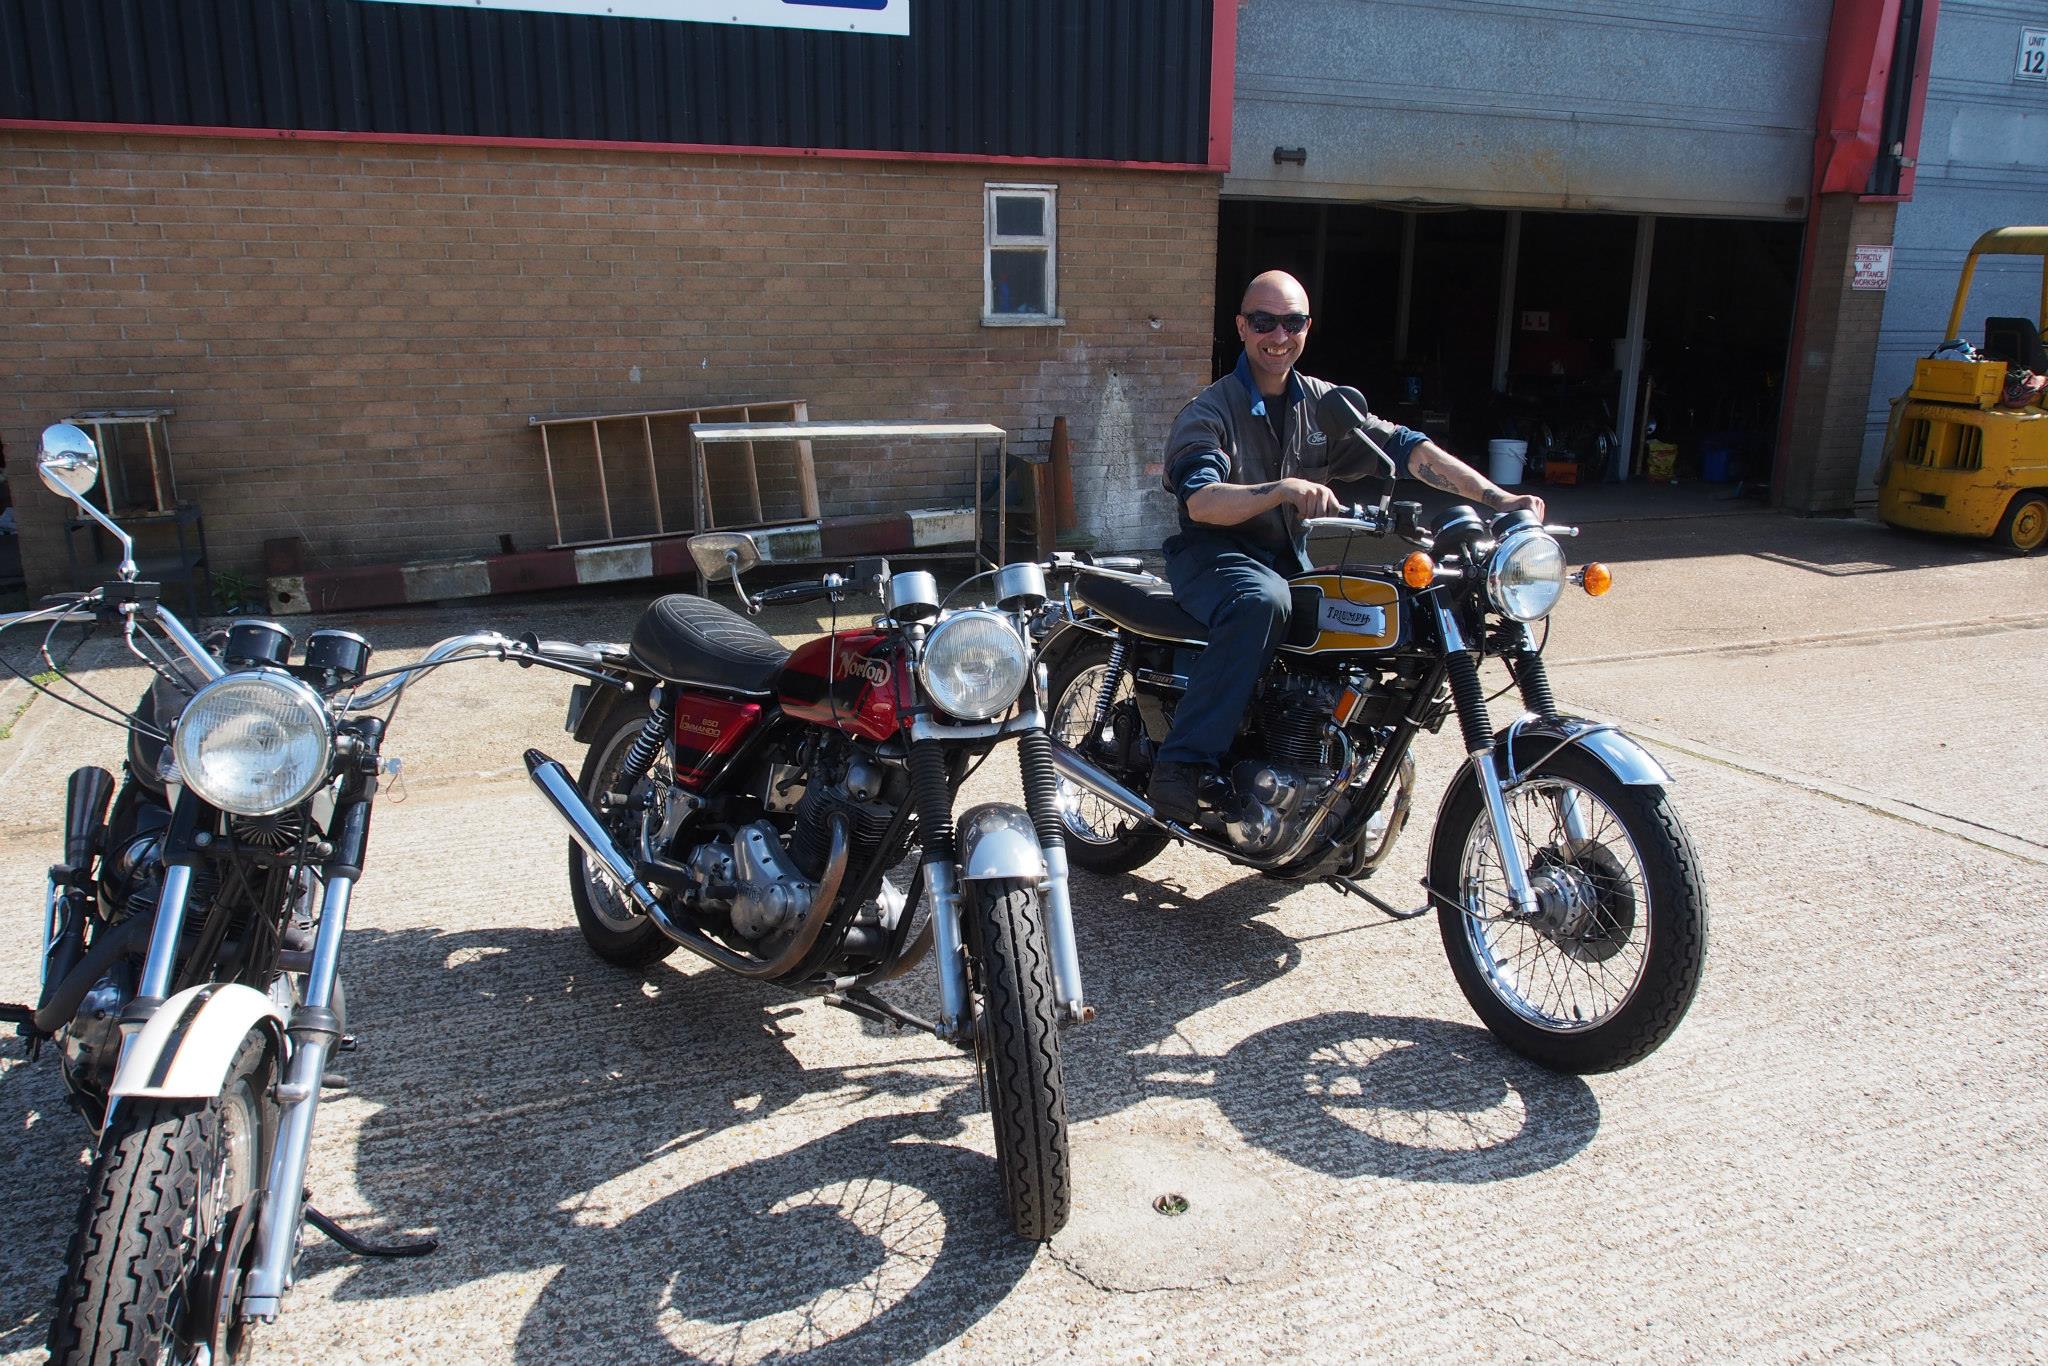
x=254 y=743
x=1526 y=575
x=974 y=665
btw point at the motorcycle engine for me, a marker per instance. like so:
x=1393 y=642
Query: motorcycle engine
x=1298 y=753
x=767 y=883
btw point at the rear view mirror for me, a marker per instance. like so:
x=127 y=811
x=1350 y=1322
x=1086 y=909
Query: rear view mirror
x=70 y=464
x=722 y=553
x=68 y=461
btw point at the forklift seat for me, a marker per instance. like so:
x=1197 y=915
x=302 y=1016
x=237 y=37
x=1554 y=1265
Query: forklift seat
x=2016 y=341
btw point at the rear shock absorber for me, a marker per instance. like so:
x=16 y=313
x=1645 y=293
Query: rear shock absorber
x=1112 y=679
x=661 y=716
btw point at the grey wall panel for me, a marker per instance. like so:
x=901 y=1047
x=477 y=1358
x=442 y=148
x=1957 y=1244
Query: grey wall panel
x=1109 y=80
x=1983 y=164
x=1601 y=104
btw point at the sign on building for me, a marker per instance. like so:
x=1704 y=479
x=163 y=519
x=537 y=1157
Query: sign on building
x=827 y=16
x=2033 y=63
x=1873 y=268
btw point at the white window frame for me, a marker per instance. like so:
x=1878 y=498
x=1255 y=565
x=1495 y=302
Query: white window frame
x=1048 y=241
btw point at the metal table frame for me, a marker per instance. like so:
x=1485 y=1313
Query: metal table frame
x=706 y=434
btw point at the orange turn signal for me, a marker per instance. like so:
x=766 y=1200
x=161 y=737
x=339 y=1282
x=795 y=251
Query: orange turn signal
x=1596 y=579
x=1418 y=570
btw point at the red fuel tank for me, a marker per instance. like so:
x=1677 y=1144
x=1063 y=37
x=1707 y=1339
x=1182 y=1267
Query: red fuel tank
x=708 y=729
x=855 y=680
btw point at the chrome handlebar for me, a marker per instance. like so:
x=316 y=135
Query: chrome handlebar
x=93 y=603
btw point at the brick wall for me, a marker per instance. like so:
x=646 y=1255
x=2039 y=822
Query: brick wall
x=1837 y=355
x=353 y=335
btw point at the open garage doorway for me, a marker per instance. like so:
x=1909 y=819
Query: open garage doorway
x=1475 y=324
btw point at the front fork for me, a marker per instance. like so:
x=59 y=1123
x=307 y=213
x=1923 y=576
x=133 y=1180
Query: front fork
x=1488 y=760
x=934 y=798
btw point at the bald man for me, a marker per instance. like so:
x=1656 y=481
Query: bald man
x=1248 y=461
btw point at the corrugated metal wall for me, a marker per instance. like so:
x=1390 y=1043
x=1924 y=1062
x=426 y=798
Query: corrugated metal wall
x=1121 y=80
x=1983 y=164
x=1638 y=106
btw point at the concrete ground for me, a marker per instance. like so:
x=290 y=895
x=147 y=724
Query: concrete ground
x=1837 y=1155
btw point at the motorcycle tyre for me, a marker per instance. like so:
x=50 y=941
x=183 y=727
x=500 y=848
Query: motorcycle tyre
x=644 y=944
x=1143 y=842
x=1019 y=1054
x=133 y=1252
x=1677 y=925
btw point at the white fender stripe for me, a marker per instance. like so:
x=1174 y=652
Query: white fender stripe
x=200 y=1040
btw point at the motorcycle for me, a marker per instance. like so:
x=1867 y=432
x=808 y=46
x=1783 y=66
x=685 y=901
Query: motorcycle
x=746 y=802
x=191 y=950
x=1566 y=890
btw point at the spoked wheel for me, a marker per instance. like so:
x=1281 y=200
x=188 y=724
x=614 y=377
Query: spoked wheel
x=614 y=928
x=1017 y=1044
x=1605 y=969
x=164 y=1196
x=1101 y=837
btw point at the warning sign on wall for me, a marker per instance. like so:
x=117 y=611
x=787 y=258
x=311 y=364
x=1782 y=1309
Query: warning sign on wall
x=830 y=16
x=1873 y=268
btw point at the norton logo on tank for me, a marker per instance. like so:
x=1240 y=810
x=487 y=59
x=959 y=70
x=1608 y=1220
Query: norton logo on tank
x=890 y=17
x=874 y=672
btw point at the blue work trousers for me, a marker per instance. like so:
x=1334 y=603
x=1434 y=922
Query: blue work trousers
x=1245 y=604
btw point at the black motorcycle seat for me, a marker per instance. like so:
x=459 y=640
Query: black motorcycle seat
x=1135 y=607
x=687 y=639
x=1153 y=612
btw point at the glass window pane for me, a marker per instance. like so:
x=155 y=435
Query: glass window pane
x=1020 y=216
x=1017 y=281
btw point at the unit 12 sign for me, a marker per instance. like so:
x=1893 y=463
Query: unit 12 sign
x=2033 y=55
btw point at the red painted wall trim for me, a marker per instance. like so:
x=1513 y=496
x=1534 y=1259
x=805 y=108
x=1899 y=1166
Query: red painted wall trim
x=690 y=148
x=1852 y=82
x=1916 y=106
x=1222 y=81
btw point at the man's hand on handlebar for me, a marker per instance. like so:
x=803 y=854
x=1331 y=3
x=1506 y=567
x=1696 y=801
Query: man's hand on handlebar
x=1522 y=502
x=1309 y=498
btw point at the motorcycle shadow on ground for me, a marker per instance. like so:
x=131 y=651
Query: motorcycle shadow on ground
x=534 y=1157
x=1347 y=1093
x=42 y=1176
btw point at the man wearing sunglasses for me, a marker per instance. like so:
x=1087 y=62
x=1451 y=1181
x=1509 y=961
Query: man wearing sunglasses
x=1247 y=460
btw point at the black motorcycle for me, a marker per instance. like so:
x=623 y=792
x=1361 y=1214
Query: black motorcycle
x=1566 y=889
x=191 y=950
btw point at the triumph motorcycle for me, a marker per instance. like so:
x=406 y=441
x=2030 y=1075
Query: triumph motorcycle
x=1565 y=887
x=191 y=950
x=747 y=803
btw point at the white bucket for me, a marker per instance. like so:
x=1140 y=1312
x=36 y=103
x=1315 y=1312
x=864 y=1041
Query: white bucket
x=1507 y=458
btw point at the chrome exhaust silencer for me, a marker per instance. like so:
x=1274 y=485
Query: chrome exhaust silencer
x=559 y=788
x=1074 y=768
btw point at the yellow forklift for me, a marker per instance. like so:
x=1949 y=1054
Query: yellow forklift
x=1966 y=451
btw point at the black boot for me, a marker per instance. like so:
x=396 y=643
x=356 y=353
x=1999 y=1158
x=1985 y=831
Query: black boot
x=1176 y=791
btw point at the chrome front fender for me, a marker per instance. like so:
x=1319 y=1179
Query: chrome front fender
x=997 y=840
x=186 y=1048
x=1531 y=740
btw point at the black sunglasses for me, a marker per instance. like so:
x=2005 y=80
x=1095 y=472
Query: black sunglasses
x=1263 y=322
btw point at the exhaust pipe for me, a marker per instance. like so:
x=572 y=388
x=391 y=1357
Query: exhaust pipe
x=1074 y=768
x=559 y=788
